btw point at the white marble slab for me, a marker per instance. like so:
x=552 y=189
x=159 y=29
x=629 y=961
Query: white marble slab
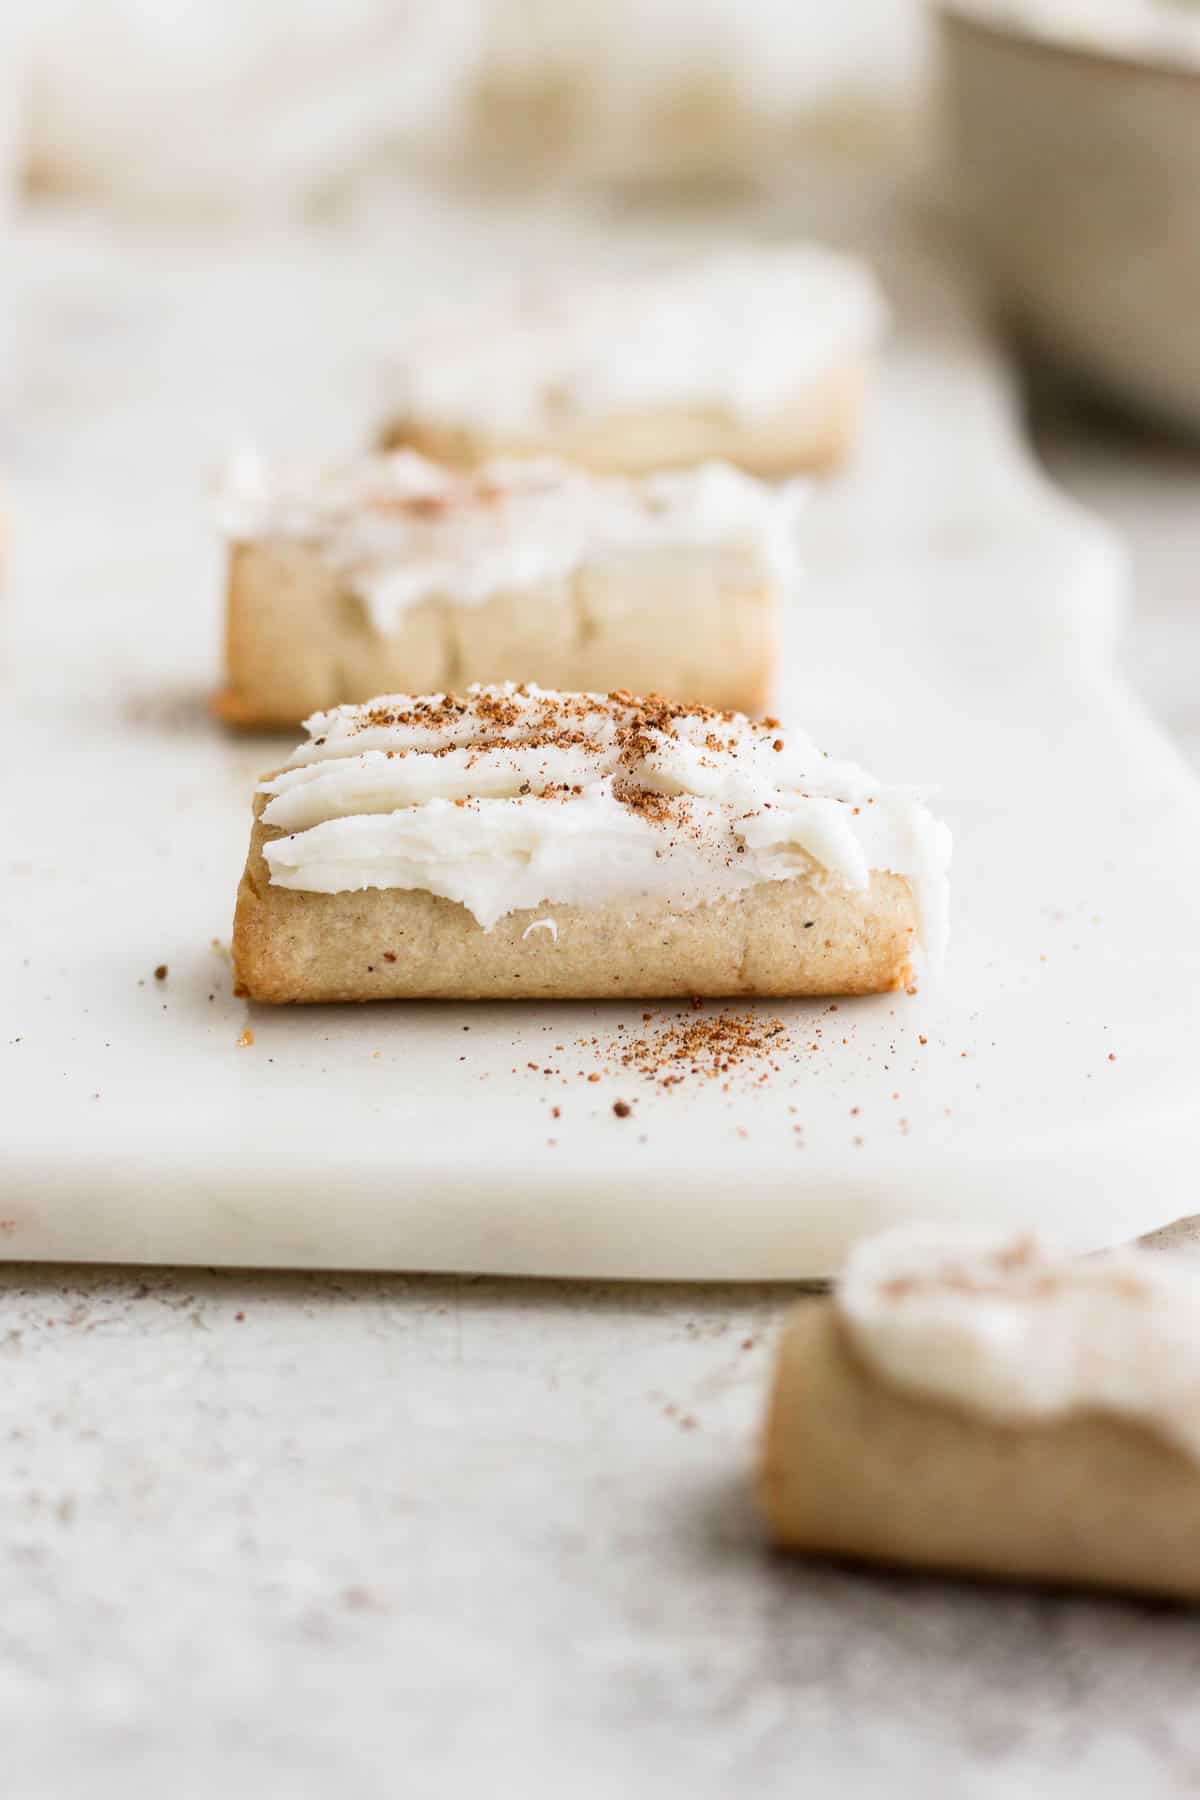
x=957 y=628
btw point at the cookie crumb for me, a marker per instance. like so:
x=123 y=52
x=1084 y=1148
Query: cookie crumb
x=246 y=1039
x=160 y=974
x=622 y=1108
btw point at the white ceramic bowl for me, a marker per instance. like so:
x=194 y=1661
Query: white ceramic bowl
x=1078 y=165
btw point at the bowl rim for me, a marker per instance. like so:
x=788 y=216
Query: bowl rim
x=1025 y=34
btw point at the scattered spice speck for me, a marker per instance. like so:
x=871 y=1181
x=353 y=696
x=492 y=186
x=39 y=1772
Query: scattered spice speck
x=160 y=974
x=703 y=1048
x=622 y=1108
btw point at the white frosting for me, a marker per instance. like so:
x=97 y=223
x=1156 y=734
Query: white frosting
x=745 y=333
x=405 y=530
x=1013 y=1330
x=550 y=925
x=515 y=797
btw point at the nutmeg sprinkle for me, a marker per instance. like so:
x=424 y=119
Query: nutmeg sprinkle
x=526 y=718
x=705 y=1047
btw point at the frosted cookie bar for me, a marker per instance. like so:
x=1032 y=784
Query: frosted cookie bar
x=517 y=843
x=983 y=1404
x=758 y=356
x=395 y=573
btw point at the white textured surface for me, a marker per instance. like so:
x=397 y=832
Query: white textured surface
x=1148 y=488
x=453 y=1538
x=431 y=1536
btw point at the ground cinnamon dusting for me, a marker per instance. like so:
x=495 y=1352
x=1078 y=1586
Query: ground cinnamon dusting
x=705 y=1047
x=521 y=720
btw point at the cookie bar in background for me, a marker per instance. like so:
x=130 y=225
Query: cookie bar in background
x=983 y=1404
x=759 y=357
x=393 y=573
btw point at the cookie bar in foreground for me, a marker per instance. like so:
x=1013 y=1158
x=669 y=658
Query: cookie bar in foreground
x=392 y=573
x=989 y=1406
x=759 y=356
x=515 y=843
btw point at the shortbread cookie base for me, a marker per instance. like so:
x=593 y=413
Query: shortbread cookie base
x=855 y=1467
x=299 y=640
x=813 y=430
x=781 y=938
